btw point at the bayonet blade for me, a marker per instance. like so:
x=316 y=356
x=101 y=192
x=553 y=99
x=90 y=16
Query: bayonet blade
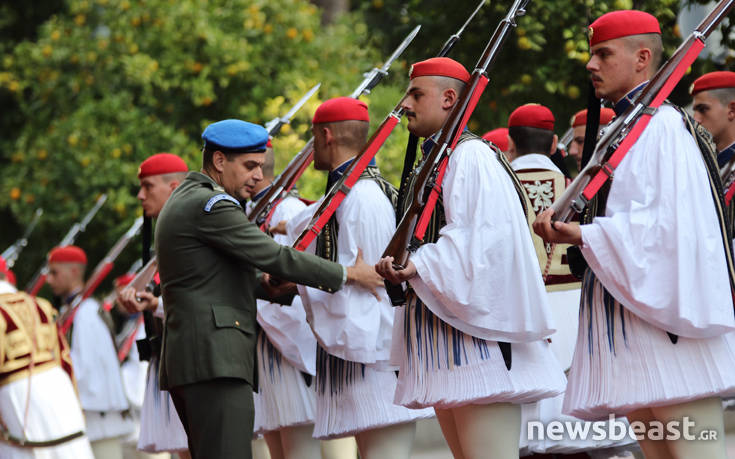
x=297 y=106
x=87 y=218
x=472 y=16
x=402 y=47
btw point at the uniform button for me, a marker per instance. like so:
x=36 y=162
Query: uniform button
x=237 y=323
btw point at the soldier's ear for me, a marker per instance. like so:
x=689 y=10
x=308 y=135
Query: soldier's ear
x=554 y=143
x=731 y=110
x=449 y=97
x=218 y=161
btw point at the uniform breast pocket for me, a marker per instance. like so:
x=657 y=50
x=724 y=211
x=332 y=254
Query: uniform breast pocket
x=234 y=318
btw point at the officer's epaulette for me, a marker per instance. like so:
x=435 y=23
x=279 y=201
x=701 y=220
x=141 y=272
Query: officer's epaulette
x=217 y=198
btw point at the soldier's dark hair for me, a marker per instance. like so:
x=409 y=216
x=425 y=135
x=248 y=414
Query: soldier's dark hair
x=531 y=140
x=208 y=153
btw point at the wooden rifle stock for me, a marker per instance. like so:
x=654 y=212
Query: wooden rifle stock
x=625 y=130
x=410 y=231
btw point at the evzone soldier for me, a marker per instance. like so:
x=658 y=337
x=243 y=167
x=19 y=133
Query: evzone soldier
x=579 y=123
x=285 y=403
x=714 y=109
x=656 y=316
x=160 y=426
x=93 y=356
x=531 y=142
x=355 y=381
x=40 y=415
x=475 y=290
x=208 y=253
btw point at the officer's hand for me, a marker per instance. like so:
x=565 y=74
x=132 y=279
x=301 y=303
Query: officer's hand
x=386 y=270
x=364 y=275
x=134 y=302
x=280 y=228
x=276 y=288
x=559 y=232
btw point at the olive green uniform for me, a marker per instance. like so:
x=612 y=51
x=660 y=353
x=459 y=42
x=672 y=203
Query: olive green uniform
x=209 y=255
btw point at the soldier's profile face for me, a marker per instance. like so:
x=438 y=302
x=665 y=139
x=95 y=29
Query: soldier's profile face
x=321 y=162
x=153 y=194
x=240 y=174
x=612 y=69
x=711 y=113
x=423 y=106
x=61 y=277
x=577 y=144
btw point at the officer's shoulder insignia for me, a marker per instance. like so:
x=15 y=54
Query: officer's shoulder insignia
x=217 y=198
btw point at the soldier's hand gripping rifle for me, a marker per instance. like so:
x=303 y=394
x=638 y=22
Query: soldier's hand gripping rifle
x=412 y=227
x=286 y=180
x=143 y=281
x=40 y=277
x=101 y=271
x=11 y=254
x=625 y=130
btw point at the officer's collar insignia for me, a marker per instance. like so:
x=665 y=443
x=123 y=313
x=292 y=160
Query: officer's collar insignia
x=217 y=198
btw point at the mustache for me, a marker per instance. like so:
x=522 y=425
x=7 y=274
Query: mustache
x=410 y=113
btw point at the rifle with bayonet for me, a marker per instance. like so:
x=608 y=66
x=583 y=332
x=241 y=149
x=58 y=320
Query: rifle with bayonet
x=101 y=271
x=413 y=140
x=339 y=190
x=274 y=126
x=40 y=277
x=11 y=254
x=286 y=180
x=624 y=131
x=412 y=227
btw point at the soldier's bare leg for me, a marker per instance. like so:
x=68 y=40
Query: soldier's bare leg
x=339 y=448
x=652 y=449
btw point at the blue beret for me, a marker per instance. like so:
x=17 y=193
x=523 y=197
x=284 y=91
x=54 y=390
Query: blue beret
x=235 y=136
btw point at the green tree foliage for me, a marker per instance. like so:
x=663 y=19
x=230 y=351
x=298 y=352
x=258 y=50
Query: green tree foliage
x=107 y=83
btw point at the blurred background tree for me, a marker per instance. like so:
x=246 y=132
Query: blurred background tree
x=92 y=87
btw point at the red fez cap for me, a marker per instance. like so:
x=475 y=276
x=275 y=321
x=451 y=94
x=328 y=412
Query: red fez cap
x=67 y=254
x=341 y=109
x=11 y=276
x=713 y=80
x=532 y=115
x=439 y=66
x=125 y=279
x=623 y=23
x=161 y=163
x=3 y=265
x=499 y=138
x=580 y=118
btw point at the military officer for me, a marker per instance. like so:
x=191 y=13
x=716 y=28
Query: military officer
x=209 y=255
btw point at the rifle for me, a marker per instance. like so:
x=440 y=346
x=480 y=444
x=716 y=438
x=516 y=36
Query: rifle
x=625 y=130
x=286 y=180
x=101 y=271
x=11 y=254
x=40 y=277
x=566 y=140
x=339 y=190
x=413 y=140
x=412 y=227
